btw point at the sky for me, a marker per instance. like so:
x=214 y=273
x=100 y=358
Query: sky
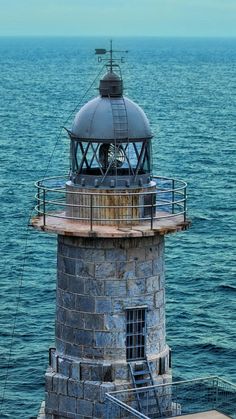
x=118 y=17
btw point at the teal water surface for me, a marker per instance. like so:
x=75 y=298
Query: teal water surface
x=187 y=88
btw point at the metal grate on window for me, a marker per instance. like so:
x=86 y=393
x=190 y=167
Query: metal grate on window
x=135 y=333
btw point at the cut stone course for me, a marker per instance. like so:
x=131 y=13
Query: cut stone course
x=98 y=279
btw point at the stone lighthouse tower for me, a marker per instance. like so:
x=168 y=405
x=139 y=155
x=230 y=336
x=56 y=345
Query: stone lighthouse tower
x=110 y=216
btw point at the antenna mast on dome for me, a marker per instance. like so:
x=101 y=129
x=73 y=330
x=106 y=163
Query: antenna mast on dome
x=111 y=61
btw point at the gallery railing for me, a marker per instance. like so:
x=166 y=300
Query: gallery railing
x=164 y=200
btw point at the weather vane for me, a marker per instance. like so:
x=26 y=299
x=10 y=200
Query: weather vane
x=110 y=60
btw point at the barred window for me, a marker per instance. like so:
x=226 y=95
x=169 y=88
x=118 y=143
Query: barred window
x=135 y=333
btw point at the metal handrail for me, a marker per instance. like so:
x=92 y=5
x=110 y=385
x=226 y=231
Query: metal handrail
x=125 y=407
x=39 y=184
x=170 y=206
x=182 y=397
x=179 y=383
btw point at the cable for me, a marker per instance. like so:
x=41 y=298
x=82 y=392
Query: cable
x=16 y=312
x=26 y=245
x=67 y=119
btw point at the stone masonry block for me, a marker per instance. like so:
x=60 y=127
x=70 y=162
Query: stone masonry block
x=154 y=340
x=153 y=318
x=94 y=287
x=62 y=279
x=162 y=314
x=67 y=404
x=64 y=366
x=93 y=353
x=136 y=287
x=69 y=251
x=60 y=345
x=48 y=381
x=115 y=353
x=65 y=415
x=103 y=305
x=85 y=303
x=75 y=370
x=52 y=402
x=120 y=372
x=162 y=280
x=76 y=285
x=85 y=408
x=96 y=372
x=91 y=255
x=61 y=314
x=157 y=266
x=74 y=319
x=104 y=389
x=66 y=265
x=92 y=390
x=110 y=339
x=125 y=270
x=152 y=252
x=105 y=270
x=75 y=388
x=85 y=371
x=116 y=255
x=159 y=298
x=153 y=284
x=94 y=321
x=144 y=269
x=115 y=288
x=60 y=384
x=99 y=410
x=84 y=269
x=114 y=321
x=58 y=327
x=68 y=300
x=84 y=337
x=136 y=254
x=74 y=350
x=67 y=334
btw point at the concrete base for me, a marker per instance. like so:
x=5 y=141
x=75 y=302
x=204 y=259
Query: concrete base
x=41 y=414
x=213 y=414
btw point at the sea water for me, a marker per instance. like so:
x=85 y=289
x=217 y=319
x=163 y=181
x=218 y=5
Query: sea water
x=187 y=88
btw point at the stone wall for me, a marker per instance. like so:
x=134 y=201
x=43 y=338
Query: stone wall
x=98 y=279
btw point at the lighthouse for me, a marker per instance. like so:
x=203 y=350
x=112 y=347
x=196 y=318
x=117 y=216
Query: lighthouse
x=110 y=215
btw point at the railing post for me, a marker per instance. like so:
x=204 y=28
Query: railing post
x=216 y=383
x=44 y=207
x=152 y=210
x=173 y=197
x=38 y=199
x=185 y=202
x=91 y=212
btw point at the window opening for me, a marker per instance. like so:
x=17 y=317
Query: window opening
x=135 y=333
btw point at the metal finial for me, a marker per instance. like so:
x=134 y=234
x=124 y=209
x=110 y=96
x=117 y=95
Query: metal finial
x=111 y=52
x=111 y=61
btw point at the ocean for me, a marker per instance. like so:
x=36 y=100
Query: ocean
x=187 y=88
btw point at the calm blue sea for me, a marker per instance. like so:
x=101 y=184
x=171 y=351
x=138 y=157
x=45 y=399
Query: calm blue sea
x=187 y=88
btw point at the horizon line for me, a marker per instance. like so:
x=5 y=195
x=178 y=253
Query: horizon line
x=115 y=36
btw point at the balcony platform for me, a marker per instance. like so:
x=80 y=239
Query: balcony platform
x=57 y=223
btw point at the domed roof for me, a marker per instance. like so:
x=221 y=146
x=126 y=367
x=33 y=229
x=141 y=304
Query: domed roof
x=111 y=76
x=106 y=118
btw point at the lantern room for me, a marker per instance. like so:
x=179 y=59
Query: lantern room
x=111 y=141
